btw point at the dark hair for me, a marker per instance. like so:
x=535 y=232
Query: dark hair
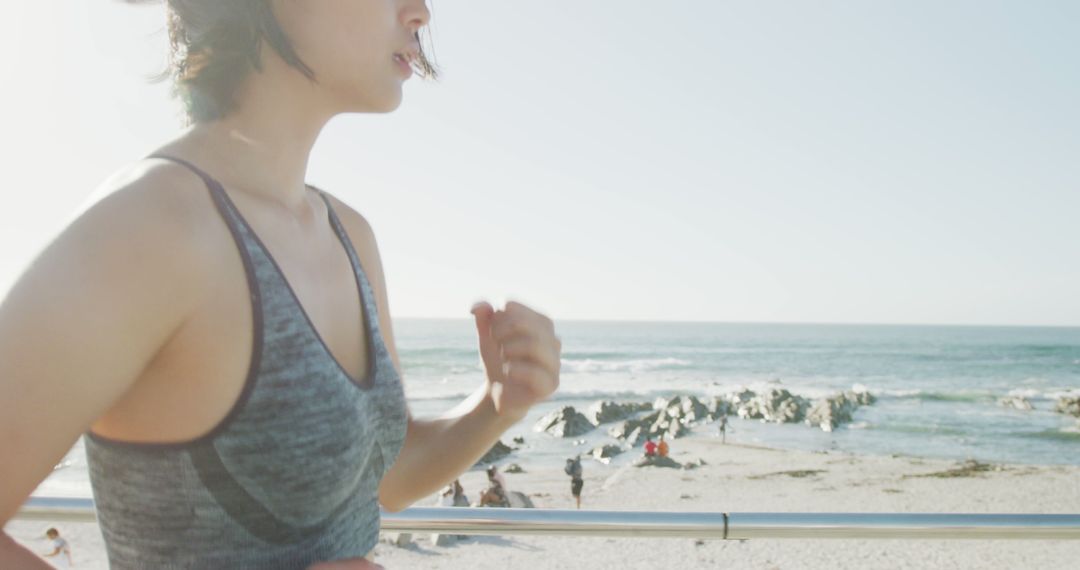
x=51 y=532
x=214 y=46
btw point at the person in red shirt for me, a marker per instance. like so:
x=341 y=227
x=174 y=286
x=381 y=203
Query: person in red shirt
x=650 y=447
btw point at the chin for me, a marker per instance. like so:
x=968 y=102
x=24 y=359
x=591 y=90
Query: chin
x=384 y=103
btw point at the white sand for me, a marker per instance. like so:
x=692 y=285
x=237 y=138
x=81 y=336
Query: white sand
x=735 y=478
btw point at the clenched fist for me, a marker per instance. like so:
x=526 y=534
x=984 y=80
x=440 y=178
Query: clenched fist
x=521 y=356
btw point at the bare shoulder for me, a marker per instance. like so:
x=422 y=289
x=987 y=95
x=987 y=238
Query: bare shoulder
x=92 y=309
x=150 y=218
x=164 y=193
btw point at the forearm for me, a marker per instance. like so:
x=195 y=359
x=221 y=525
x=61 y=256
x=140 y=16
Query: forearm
x=16 y=557
x=438 y=451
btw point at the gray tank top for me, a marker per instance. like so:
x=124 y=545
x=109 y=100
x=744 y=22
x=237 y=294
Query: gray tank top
x=290 y=476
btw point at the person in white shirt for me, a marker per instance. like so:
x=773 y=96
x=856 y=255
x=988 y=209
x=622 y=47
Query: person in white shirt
x=61 y=550
x=445 y=500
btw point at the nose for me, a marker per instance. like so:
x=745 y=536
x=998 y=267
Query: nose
x=415 y=15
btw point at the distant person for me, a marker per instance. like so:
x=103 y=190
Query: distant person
x=496 y=494
x=723 y=428
x=574 y=470
x=495 y=477
x=662 y=448
x=60 y=549
x=650 y=447
x=460 y=500
x=446 y=499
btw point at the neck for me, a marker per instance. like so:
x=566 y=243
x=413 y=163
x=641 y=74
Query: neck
x=262 y=147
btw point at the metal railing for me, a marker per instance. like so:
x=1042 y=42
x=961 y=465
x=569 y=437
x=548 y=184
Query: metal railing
x=731 y=526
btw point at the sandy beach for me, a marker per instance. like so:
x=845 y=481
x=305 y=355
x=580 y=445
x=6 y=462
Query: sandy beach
x=735 y=477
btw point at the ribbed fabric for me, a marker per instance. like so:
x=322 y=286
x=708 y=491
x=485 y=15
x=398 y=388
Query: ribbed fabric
x=290 y=476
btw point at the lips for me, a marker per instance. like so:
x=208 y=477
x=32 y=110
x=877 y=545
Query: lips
x=410 y=54
x=403 y=64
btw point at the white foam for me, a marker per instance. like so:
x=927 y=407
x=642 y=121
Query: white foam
x=637 y=365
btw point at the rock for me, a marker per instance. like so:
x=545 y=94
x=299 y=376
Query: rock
x=688 y=409
x=862 y=395
x=657 y=461
x=513 y=468
x=399 y=539
x=623 y=429
x=566 y=422
x=603 y=412
x=668 y=423
x=740 y=398
x=443 y=539
x=828 y=413
x=1018 y=402
x=719 y=406
x=497 y=452
x=1068 y=405
x=519 y=500
x=519 y=440
x=776 y=405
x=604 y=453
x=638 y=436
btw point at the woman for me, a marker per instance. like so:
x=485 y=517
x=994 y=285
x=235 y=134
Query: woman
x=460 y=500
x=219 y=330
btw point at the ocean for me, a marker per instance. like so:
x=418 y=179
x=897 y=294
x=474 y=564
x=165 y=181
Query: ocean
x=937 y=386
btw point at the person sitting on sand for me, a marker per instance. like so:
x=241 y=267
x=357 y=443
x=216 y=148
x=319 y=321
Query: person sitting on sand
x=496 y=494
x=60 y=549
x=650 y=447
x=495 y=477
x=662 y=449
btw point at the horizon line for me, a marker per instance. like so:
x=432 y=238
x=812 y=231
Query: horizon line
x=799 y=323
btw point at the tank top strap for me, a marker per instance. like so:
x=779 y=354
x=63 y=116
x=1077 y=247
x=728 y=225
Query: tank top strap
x=217 y=192
x=366 y=291
x=210 y=181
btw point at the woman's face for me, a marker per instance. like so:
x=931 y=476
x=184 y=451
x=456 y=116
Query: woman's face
x=351 y=44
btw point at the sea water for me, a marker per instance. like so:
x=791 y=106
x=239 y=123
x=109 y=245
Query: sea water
x=937 y=386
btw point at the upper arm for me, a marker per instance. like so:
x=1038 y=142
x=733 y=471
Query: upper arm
x=85 y=318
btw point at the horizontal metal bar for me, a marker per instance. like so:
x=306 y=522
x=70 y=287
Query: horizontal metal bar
x=675 y=524
x=903 y=525
x=552 y=522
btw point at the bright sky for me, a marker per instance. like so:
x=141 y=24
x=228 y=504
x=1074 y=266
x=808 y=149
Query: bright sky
x=831 y=161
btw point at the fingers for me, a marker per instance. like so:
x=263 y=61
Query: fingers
x=520 y=351
x=529 y=376
x=489 y=347
x=526 y=383
x=517 y=319
x=544 y=353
